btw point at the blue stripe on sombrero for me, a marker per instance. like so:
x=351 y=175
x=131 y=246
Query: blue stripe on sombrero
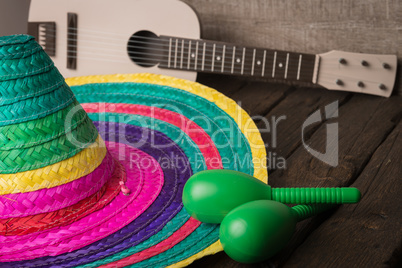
x=172 y=207
x=206 y=230
x=191 y=150
x=208 y=109
x=190 y=105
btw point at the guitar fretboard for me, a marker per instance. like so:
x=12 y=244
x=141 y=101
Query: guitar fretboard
x=217 y=57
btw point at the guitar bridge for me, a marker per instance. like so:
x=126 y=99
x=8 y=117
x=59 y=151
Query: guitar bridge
x=72 y=23
x=45 y=35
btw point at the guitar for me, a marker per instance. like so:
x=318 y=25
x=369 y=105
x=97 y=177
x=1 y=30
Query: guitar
x=163 y=36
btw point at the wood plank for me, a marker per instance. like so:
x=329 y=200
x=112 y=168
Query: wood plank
x=222 y=83
x=255 y=97
x=368 y=233
x=364 y=122
x=282 y=126
x=314 y=27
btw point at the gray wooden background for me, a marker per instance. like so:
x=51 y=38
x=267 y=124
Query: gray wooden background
x=311 y=26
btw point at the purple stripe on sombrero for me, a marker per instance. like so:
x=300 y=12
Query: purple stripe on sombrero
x=164 y=208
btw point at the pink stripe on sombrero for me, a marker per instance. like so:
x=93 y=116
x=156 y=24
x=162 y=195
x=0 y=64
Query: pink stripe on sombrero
x=145 y=184
x=55 y=198
x=194 y=131
x=166 y=244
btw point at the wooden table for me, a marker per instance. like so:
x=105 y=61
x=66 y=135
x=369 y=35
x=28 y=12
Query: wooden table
x=367 y=234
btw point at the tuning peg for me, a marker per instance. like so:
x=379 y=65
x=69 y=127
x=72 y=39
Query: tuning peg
x=209 y=195
x=257 y=230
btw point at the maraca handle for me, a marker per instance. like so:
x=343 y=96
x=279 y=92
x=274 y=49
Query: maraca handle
x=316 y=195
x=303 y=212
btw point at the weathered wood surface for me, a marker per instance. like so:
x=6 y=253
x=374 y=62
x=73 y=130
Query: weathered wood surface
x=314 y=26
x=370 y=147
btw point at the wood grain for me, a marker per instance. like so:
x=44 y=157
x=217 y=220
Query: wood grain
x=314 y=26
x=369 y=232
x=368 y=127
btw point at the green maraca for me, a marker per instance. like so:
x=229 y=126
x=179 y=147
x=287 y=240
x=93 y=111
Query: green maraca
x=257 y=230
x=209 y=195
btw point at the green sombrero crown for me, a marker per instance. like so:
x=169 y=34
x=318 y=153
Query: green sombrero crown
x=46 y=138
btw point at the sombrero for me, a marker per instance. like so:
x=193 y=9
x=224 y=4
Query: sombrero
x=100 y=183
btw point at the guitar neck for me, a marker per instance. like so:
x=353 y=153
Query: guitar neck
x=225 y=58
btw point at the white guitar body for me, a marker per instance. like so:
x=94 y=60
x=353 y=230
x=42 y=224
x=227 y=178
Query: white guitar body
x=105 y=26
x=96 y=37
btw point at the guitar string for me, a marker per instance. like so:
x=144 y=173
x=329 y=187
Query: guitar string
x=158 y=42
x=236 y=70
x=322 y=78
x=207 y=57
x=220 y=42
x=185 y=59
x=207 y=66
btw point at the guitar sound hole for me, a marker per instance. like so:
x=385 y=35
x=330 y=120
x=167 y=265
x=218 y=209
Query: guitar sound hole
x=145 y=49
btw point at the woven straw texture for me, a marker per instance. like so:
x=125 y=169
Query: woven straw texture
x=45 y=221
x=161 y=211
x=35 y=62
x=158 y=124
x=55 y=198
x=31 y=133
x=17 y=46
x=207 y=250
x=50 y=152
x=245 y=123
x=56 y=174
x=18 y=89
x=147 y=228
x=37 y=107
x=146 y=183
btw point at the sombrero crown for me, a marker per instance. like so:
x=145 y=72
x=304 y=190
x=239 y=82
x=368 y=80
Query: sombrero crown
x=47 y=140
x=62 y=185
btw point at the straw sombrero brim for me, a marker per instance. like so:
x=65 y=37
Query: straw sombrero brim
x=203 y=129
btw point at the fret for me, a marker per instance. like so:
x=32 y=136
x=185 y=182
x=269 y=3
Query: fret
x=287 y=65
x=196 y=55
x=253 y=63
x=247 y=61
x=209 y=56
x=307 y=67
x=242 y=60
x=229 y=59
x=213 y=57
x=298 y=67
x=257 y=59
x=170 y=49
x=263 y=63
x=219 y=57
x=203 y=56
x=175 y=52
x=223 y=58
x=189 y=55
x=233 y=59
x=182 y=54
x=274 y=65
x=280 y=64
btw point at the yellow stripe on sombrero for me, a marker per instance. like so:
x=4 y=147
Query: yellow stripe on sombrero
x=212 y=249
x=245 y=123
x=56 y=174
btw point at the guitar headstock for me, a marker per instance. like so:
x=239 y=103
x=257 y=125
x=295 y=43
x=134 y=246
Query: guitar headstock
x=357 y=72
